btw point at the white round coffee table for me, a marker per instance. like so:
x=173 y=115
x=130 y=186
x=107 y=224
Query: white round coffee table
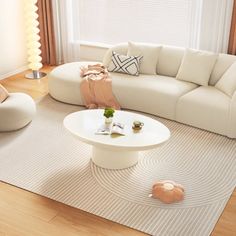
x=114 y=151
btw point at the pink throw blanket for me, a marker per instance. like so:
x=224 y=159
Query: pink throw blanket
x=96 y=88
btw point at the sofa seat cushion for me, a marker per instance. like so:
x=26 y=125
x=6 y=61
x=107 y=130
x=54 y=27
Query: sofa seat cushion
x=206 y=108
x=153 y=94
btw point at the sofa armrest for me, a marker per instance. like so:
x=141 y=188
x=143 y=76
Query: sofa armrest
x=232 y=117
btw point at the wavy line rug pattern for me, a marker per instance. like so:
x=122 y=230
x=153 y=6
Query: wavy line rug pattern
x=57 y=165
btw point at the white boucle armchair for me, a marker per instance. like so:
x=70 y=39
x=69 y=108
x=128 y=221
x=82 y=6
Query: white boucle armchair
x=16 y=112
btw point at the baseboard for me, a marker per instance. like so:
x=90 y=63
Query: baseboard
x=19 y=70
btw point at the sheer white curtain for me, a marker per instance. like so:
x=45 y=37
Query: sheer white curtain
x=200 y=24
x=64 y=24
x=214 y=25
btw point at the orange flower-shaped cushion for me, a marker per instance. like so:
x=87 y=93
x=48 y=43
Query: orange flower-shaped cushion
x=168 y=191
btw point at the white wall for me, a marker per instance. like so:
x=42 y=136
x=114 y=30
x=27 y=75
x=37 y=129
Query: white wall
x=13 y=54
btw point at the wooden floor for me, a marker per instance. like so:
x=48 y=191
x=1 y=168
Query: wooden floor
x=23 y=213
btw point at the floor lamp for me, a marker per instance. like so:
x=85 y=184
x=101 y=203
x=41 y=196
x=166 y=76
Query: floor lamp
x=32 y=36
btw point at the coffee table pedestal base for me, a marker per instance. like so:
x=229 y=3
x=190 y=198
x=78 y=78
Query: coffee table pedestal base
x=114 y=159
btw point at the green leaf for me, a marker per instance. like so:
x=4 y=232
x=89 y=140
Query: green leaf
x=108 y=112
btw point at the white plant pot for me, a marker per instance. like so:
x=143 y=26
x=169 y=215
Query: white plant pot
x=108 y=120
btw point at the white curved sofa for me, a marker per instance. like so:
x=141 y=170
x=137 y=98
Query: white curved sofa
x=16 y=112
x=161 y=93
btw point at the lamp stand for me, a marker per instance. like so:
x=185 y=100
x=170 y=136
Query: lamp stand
x=35 y=75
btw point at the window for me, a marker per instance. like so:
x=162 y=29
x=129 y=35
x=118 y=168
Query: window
x=115 y=21
x=199 y=24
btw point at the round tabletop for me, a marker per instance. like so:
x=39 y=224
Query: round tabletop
x=84 y=124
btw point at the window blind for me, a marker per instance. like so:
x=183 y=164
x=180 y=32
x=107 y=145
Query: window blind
x=115 y=21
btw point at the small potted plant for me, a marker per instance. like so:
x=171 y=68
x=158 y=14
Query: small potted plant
x=108 y=113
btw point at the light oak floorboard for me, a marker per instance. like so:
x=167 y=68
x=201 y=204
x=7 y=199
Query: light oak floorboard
x=23 y=213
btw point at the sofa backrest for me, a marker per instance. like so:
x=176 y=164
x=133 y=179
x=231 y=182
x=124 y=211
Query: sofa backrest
x=169 y=60
x=224 y=61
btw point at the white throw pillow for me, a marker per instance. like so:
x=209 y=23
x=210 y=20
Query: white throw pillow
x=196 y=66
x=124 y=64
x=227 y=83
x=150 y=55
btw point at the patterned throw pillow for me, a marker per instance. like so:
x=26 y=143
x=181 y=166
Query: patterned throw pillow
x=124 y=64
x=3 y=94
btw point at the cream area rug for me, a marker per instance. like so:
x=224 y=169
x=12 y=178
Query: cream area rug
x=46 y=159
